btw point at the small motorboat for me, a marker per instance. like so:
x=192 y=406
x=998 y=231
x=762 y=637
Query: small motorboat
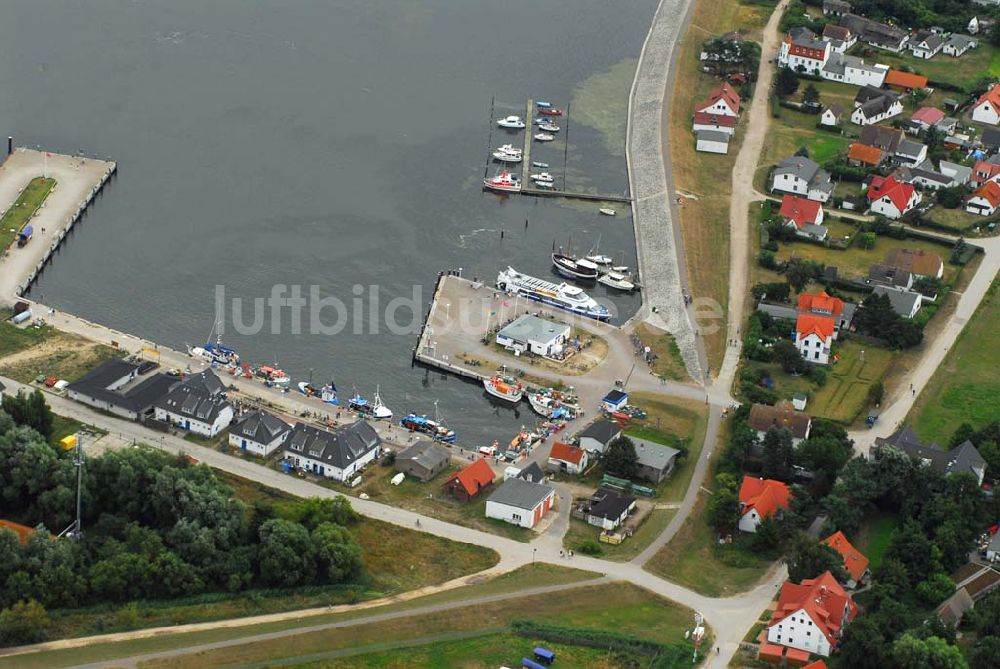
x=512 y=122
x=544 y=137
x=543 y=105
x=542 y=176
x=550 y=111
x=599 y=259
x=535 y=163
x=504 y=388
x=621 y=269
x=573 y=268
x=617 y=281
x=541 y=120
x=545 y=185
x=508 y=153
x=607 y=211
x=327 y=393
x=548 y=127
x=505 y=182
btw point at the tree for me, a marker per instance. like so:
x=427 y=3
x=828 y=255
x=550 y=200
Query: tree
x=24 y=622
x=287 y=556
x=951 y=198
x=808 y=558
x=863 y=646
x=935 y=589
x=787 y=82
x=338 y=556
x=931 y=653
x=30 y=410
x=867 y=240
x=991 y=454
x=724 y=506
x=810 y=94
x=789 y=357
x=778 y=454
x=621 y=458
x=986 y=653
x=914 y=550
x=798 y=274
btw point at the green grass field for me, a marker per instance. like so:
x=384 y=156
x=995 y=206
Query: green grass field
x=873 y=539
x=669 y=363
x=966 y=387
x=654 y=524
x=14 y=339
x=965 y=71
x=27 y=203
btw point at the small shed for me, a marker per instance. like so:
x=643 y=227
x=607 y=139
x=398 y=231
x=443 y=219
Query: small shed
x=423 y=460
x=712 y=141
x=615 y=400
x=799 y=401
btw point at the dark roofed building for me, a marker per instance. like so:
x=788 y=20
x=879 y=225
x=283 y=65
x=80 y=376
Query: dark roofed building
x=423 y=460
x=338 y=454
x=197 y=404
x=882 y=137
x=259 y=432
x=520 y=502
x=607 y=509
x=114 y=386
x=964 y=458
x=887 y=275
x=763 y=417
x=596 y=437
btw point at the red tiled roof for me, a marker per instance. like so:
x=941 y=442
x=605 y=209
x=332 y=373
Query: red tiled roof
x=989 y=191
x=928 y=115
x=869 y=155
x=765 y=495
x=984 y=170
x=905 y=79
x=770 y=651
x=567 y=453
x=823 y=600
x=796 y=657
x=474 y=477
x=992 y=96
x=22 y=531
x=817 y=324
x=799 y=210
x=915 y=261
x=898 y=193
x=818 y=664
x=854 y=561
x=726 y=93
x=708 y=118
x=821 y=302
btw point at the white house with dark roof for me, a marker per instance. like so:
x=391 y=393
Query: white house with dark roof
x=596 y=437
x=654 y=461
x=803 y=51
x=520 y=502
x=905 y=303
x=115 y=386
x=338 y=454
x=197 y=404
x=926 y=44
x=259 y=432
x=963 y=459
x=801 y=176
x=957 y=45
x=541 y=336
x=872 y=105
x=608 y=510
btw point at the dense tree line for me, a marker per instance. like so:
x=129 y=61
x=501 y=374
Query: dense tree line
x=155 y=526
x=876 y=318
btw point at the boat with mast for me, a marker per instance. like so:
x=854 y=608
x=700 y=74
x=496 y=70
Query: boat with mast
x=374 y=409
x=573 y=268
x=435 y=429
x=326 y=393
x=215 y=353
x=504 y=388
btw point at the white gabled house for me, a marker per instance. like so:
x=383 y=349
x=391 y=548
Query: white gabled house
x=519 y=502
x=811 y=616
x=814 y=335
x=803 y=51
x=984 y=200
x=891 y=198
x=338 y=454
x=723 y=100
x=259 y=432
x=801 y=176
x=926 y=44
x=198 y=404
x=760 y=499
x=872 y=105
x=987 y=107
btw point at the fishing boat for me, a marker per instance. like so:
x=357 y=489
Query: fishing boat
x=559 y=295
x=542 y=404
x=505 y=182
x=535 y=163
x=550 y=111
x=513 y=122
x=571 y=268
x=543 y=137
x=548 y=127
x=272 y=376
x=542 y=176
x=617 y=281
x=374 y=409
x=431 y=428
x=327 y=393
x=508 y=154
x=607 y=211
x=621 y=269
x=504 y=388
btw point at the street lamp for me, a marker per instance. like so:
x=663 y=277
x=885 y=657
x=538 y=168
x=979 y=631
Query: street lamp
x=533 y=551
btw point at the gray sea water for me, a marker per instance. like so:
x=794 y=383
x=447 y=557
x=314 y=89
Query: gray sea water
x=314 y=143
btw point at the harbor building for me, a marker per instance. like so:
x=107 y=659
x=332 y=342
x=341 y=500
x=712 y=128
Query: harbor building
x=197 y=404
x=338 y=455
x=116 y=387
x=540 y=336
x=259 y=432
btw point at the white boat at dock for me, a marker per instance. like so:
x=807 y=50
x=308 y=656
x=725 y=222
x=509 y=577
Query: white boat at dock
x=600 y=259
x=505 y=182
x=548 y=127
x=508 y=154
x=541 y=104
x=607 y=211
x=504 y=388
x=544 y=137
x=559 y=295
x=512 y=122
x=545 y=185
x=542 y=176
x=374 y=409
x=617 y=281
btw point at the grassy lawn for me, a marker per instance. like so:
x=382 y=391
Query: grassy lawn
x=669 y=364
x=960 y=220
x=873 y=538
x=965 y=71
x=704 y=221
x=654 y=524
x=14 y=339
x=695 y=560
x=672 y=422
x=965 y=387
x=65 y=357
x=623 y=608
x=27 y=203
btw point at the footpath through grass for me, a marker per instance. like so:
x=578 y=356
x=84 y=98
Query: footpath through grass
x=966 y=387
x=27 y=203
x=669 y=364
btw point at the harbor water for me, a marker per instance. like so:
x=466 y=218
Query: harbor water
x=330 y=144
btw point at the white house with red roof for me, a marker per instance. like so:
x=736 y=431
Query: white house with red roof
x=927 y=117
x=892 y=198
x=805 y=215
x=803 y=51
x=985 y=170
x=723 y=101
x=814 y=335
x=811 y=616
x=987 y=107
x=824 y=304
x=713 y=121
x=760 y=499
x=984 y=200
x=567 y=459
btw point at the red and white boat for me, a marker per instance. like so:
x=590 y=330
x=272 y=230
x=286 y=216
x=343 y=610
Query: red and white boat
x=504 y=388
x=550 y=111
x=505 y=182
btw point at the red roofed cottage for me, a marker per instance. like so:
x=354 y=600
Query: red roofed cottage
x=723 y=100
x=811 y=616
x=814 y=334
x=467 y=483
x=892 y=198
x=987 y=107
x=760 y=499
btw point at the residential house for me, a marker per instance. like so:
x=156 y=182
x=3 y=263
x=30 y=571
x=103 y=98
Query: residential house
x=840 y=38
x=197 y=404
x=881 y=136
x=469 y=482
x=990 y=139
x=853 y=70
x=712 y=141
x=855 y=563
x=947 y=126
x=764 y=417
x=926 y=44
x=836 y=8
x=890 y=198
x=814 y=336
x=958 y=44
x=887 y=275
x=115 y=386
x=655 y=461
x=423 y=460
x=531 y=473
x=806 y=216
x=964 y=458
x=905 y=303
x=916 y=261
x=802 y=176
x=910 y=153
x=759 y=499
x=958 y=142
x=615 y=400
x=862 y=155
x=905 y=82
x=723 y=100
x=960 y=174
x=924 y=175
x=878 y=35
x=567 y=459
x=714 y=122
x=987 y=107
x=873 y=105
x=338 y=454
x=803 y=51
x=811 y=616
x=986 y=170
x=608 y=510
x=927 y=117
x=832 y=115
x=520 y=502
x=824 y=304
x=259 y=432
x=596 y=437
x=530 y=333
x=984 y=200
